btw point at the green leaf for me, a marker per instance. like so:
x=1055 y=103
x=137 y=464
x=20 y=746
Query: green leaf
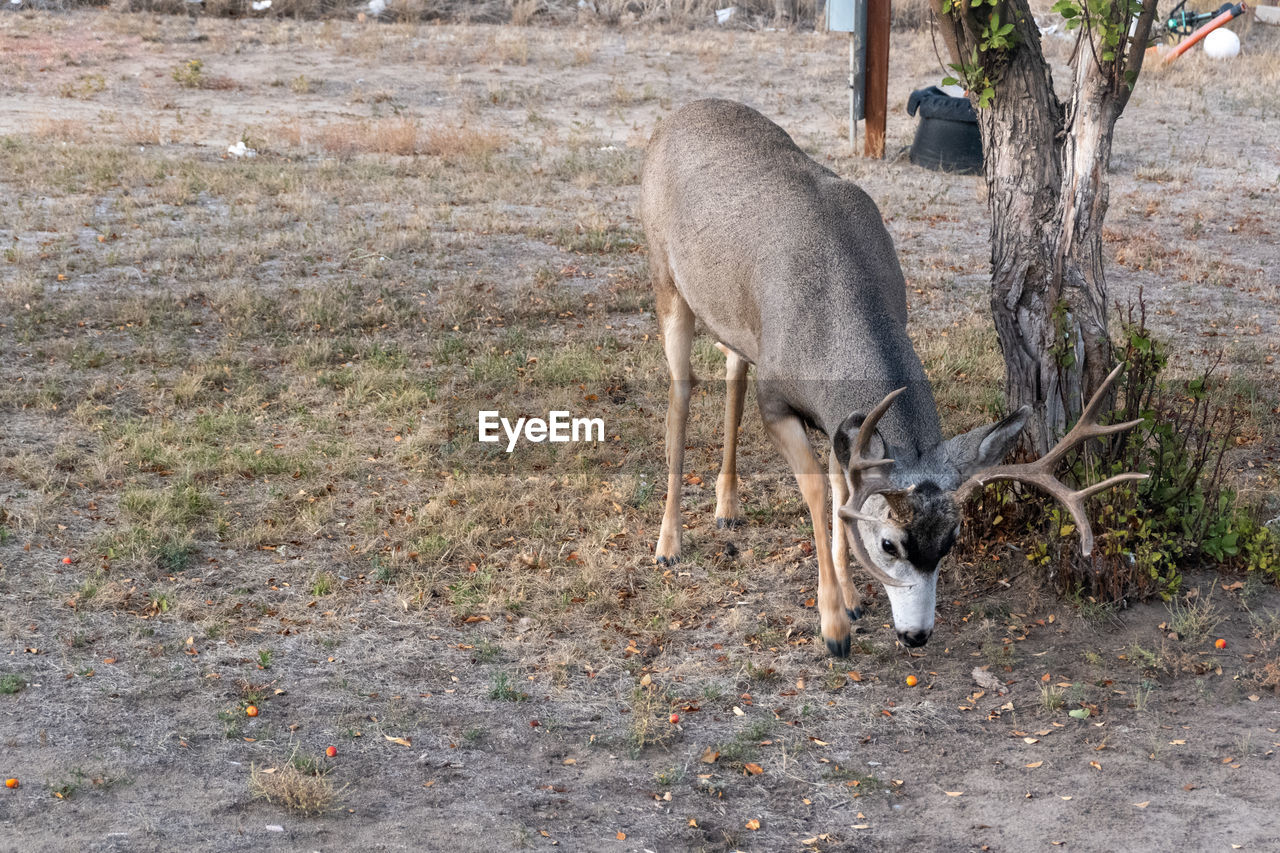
x=1079 y=713
x=949 y=81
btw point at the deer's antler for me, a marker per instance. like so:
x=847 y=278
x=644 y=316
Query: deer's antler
x=1040 y=472
x=869 y=477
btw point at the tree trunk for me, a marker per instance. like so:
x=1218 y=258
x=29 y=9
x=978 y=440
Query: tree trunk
x=1079 y=280
x=1047 y=197
x=1021 y=145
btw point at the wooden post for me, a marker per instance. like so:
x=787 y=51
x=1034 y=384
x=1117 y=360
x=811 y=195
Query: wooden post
x=876 y=99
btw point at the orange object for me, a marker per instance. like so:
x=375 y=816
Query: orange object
x=1198 y=36
x=66 y=561
x=252 y=710
x=331 y=751
x=11 y=783
x=1221 y=643
x=912 y=681
x=675 y=718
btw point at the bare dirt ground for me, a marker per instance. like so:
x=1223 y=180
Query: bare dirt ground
x=239 y=467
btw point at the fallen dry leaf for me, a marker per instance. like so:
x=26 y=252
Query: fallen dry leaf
x=1031 y=740
x=1143 y=805
x=1095 y=765
x=753 y=824
x=709 y=756
x=1033 y=765
x=738 y=712
x=953 y=793
x=753 y=769
x=403 y=741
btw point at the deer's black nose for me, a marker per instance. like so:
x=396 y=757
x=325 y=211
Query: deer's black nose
x=913 y=639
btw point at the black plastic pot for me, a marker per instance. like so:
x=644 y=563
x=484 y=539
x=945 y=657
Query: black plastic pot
x=947 y=138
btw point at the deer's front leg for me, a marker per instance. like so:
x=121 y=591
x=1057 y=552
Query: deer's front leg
x=789 y=435
x=839 y=545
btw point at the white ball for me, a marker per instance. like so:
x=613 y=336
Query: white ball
x=1221 y=44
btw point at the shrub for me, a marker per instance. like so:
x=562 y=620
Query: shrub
x=1148 y=533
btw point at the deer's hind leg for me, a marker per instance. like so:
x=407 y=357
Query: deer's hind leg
x=728 y=507
x=676 y=320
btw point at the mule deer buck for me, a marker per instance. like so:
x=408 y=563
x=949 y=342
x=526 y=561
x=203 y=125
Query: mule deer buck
x=792 y=270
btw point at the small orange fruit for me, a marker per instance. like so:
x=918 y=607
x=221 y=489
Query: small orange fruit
x=675 y=718
x=331 y=751
x=252 y=710
x=1221 y=643
x=912 y=681
x=66 y=561
x=11 y=783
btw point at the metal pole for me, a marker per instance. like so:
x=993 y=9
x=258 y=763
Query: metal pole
x=853 y=122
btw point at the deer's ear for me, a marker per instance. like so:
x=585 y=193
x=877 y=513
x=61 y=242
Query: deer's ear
x=847 y=433
x=986 y=445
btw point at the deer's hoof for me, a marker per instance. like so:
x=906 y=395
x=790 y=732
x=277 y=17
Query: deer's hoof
x=856 y=613
x=838 y=648
x=667 y=561
x=722 y=523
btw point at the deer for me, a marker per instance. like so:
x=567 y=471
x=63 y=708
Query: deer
x=794 y=273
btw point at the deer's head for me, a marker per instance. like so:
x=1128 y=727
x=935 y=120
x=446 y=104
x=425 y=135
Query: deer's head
x=902 y=520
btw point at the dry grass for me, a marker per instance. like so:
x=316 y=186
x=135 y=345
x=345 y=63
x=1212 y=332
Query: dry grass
x=912 y=15
x=303 y=791
x=248 y=411
x=517 y=12
x=1194 y=619
x=400 y=136
x=61 y=129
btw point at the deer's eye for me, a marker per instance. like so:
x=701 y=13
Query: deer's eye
x=889 y=547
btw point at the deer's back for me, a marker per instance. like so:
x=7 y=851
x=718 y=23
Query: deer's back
x=783 y=261
x=753 y=229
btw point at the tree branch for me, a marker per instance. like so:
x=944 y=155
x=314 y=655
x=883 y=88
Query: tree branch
x=1137 y=52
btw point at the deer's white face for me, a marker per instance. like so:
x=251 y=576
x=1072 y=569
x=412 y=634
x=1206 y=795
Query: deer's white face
x=908 y=545
x=908 y=519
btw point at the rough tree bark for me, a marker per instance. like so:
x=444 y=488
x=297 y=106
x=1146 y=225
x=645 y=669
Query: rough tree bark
x=1046 y=166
